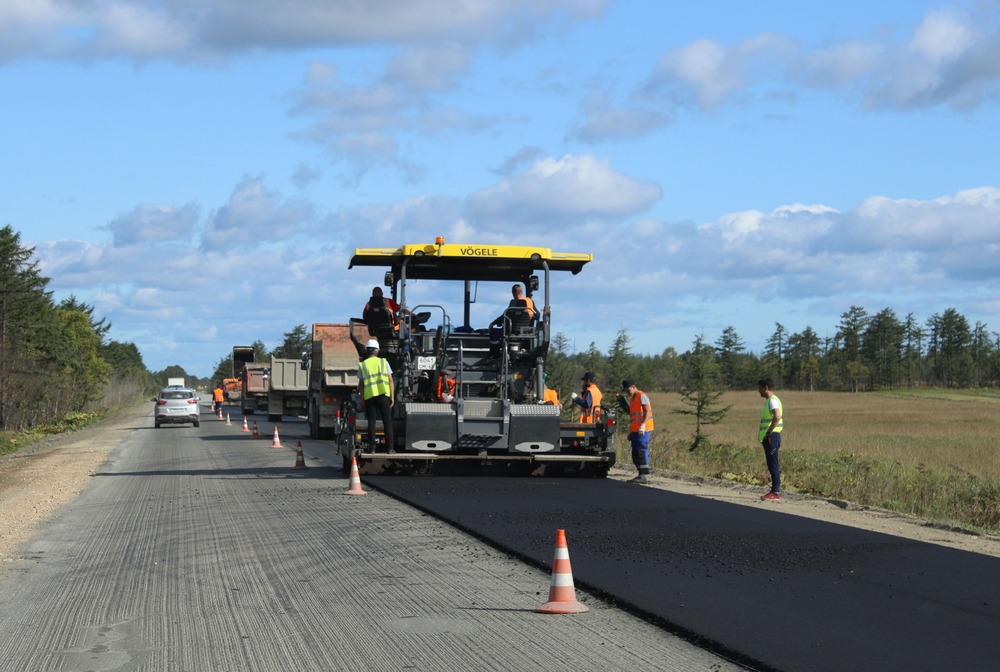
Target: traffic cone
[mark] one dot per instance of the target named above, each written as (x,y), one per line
(300,460)
(255,435)
(355,488)
(228,424)
(276,443)
(220,414)
(562,593)
(245,428)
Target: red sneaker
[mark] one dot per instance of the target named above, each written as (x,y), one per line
(771,496)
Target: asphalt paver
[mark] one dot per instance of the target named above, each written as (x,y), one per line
(202,549)
(776,591)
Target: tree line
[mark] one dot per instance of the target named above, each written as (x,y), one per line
(866,352)
(55,358)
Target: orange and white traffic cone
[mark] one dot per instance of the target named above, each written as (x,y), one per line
(276,443)
(255,435)
(220,413)
(245,428)
(300,460)
(228,424)
(355,487)
(562,593)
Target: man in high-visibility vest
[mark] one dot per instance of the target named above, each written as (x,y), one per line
(771,424)
(590,400)
(379,391)
(218,396)
(640,428)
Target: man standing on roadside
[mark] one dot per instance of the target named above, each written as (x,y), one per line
(379,392)
(769,436)
(641,415)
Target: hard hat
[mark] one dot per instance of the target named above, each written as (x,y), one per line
(372,344)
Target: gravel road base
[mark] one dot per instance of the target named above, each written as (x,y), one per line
(42,477)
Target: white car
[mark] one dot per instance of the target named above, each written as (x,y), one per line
(177,404)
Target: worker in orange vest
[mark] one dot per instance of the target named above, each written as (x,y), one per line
(640,428)
(218,396)
(590,400)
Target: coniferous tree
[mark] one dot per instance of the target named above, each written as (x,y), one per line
(295,342)
(702,389)
(730,349)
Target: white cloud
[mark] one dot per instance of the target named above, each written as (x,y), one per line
(950,59)
(254,215)
(151,223)
(172,293)
(185,30)
(572,190)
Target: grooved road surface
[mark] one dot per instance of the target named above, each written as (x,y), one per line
(201,549)
(789,592)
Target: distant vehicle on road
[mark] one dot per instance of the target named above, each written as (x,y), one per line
(177,405)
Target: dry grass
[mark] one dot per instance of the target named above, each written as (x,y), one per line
(934,453)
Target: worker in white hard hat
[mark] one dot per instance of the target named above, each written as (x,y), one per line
(379,391)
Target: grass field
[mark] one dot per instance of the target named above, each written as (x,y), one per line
(932,453)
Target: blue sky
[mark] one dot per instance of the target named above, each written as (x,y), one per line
(202,171)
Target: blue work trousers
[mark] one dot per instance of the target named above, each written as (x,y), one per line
(640,450)
(771,445)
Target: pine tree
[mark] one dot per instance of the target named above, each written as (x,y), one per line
(702,389)
(295,342)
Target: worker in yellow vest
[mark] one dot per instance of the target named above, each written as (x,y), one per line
(769,435)
(379,391)
(590,400)
(640,428)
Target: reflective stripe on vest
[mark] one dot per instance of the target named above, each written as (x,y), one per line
(637,413)
(591,414)
(765,418)
(376,378)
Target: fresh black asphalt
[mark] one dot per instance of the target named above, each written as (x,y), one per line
(773,590)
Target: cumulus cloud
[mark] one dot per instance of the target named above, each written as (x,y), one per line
(153,223)
(254,215)
(556,192)
(166,293)
(950,59)
(184,30)
(712,73)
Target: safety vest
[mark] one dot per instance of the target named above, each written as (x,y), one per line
(637,413)
(765,418)
(218,396)
(531,306)
(551,396)
(591,414)
(375,378)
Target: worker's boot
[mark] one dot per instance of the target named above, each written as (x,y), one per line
(641,478)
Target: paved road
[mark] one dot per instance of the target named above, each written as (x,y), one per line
(788,592)
(201,549)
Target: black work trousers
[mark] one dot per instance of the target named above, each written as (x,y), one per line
(382,404)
